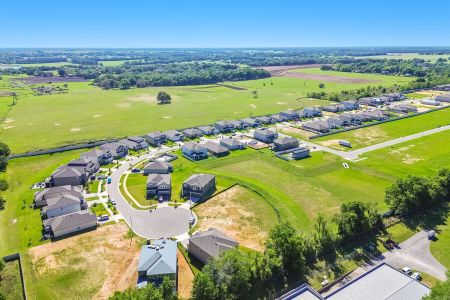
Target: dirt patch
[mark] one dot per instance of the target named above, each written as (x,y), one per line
(108,264)
(185,277)
(406,158)
(166,117)
(278,70)
(252,105)
(369,135)
(8,127)
(226,212)
(96,116)
(325,78)
(75,129)
(54,79)
(145,98)
(300,133)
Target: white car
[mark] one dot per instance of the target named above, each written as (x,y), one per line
(416,276)
(407,270)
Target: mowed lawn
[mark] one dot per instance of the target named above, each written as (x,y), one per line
(371,135)
(87,112)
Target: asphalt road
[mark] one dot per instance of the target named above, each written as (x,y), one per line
(161,222)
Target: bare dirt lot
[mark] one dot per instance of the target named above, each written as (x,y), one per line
(279,70)
(248,217)
(185,277)
(52,79)
(88,266)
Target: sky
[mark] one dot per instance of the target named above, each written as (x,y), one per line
(219,23)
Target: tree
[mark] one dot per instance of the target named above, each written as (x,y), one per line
(61,72)
(4,150)
(286,245)
(255,94)
(321,85)
(150,292)
(441,291)
(3,185)
(2,203)
(163,98)
(324,238)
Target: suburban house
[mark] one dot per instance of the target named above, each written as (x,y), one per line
(194,151)
(208,130)
(71,223)
(350,119)
(392,97)
(173,135)
(66,175)
(224,126)
(264,120)
(159,185)
(285,143)
(402,108)
(192,133)
(199,186)
(443,98)
(232,144)
(250,122)
(62,205)
(216,149)
(300,153)
(318,126)
(442,87)
(158,167)
(238,124)
(289,115)
(334,122)
(210,243)
(86,164)
(265,135)
(103,157)
(371,101)
(277,118)
(428,101)
(117,150)
(155,138)
(157,261)
(41,197)
(350,104)
(134,143)
(375,114)
(335,108)
(310,112)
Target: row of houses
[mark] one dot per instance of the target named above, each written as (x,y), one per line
(377,101)
(342,106)
(442,87)
(196,151)
(345,119)
(158,260)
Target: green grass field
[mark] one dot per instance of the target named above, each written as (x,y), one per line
(87,112)
(387,131)
(10,282)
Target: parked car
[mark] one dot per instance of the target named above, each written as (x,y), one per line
(416,276)
(113,202)
(101,177)
(103,218)
(135,170)
(192,221)
(431,235)
(407,270)
(109,180)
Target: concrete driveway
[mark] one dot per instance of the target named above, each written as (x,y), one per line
(163,222)
(415,253)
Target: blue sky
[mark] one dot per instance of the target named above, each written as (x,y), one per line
(218,23)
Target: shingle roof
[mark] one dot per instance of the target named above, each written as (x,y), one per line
(159,165)
(193,146)
(61,201)
(199,179)
(230,142)
(213,241)
(66,171)
(214,147)
(285,140)
(159,179)
(70,220)
(59,190)
(159,258)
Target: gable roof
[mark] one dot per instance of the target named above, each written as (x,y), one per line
(66,221)
(200,179)
(230,142)
(159,258)
(265,132)
(159,179)
(214,147)
(159,165)
(285,140)
(213,242)
(61,201)
(155,134)
(191,146)
(59,190)
(65,171)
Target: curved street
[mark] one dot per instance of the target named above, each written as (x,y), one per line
(161,222)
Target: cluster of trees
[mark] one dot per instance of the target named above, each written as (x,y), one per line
(441,291)
(415,193)
(4,153)
(165,291)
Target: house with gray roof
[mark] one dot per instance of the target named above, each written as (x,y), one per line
(88,165)
(334,122)
(117,150)
(102,157)
(250,122)
(350,104)
(173,135)
(310,112)
(264,120)
(216,149)
(224,126)
(159,185)
(402,108)
(391,97)
(158,167)
(374,115)
(300,153)
(62,205)
(238,124)
(157,261)
(285,143)
(208,130)
(431,102)
(443,98)
(156,138)
(210,243)
(66,175)
(265,135)
(71,223)
(41,197)
(289,115)
(192,133)
(135,143)
(194,151)
(277,118)
(334,108)
(371,101)
(232,144)
(199,186)
(350,119)
(318,126)
(442,87)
